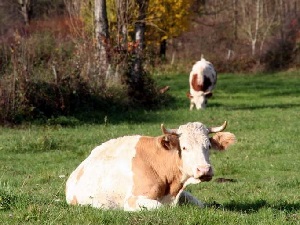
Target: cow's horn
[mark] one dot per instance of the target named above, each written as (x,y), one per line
(217,129)
(164,130)
(167,131)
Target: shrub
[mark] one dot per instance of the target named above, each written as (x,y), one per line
(279,56)
(45,78)
(142,90)
(284,48)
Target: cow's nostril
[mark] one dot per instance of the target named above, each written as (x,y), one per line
(205,170)
(204,173)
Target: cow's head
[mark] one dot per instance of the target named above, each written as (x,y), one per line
(195,143)
(199,99)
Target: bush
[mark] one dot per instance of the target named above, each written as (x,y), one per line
(63,121)
(283,51)
(47,80)
(235,65)
(142,90)
(44,78)
(279,56)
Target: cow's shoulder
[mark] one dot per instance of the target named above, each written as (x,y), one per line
(116,148)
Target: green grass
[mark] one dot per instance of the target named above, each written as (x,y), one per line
(262,110)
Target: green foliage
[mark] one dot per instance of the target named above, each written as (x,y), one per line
(63,121)
(261,110)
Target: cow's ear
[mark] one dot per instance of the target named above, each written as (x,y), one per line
(170,142)
(208,94)
(165,142)
(222,140)
(188,94)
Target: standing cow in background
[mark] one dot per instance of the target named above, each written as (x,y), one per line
(141,172)
(203,79)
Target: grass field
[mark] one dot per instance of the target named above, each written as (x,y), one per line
(262,111)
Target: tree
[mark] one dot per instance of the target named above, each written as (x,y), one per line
(139,34)
(102,34)
(257,19)
(122,23)
(25,10)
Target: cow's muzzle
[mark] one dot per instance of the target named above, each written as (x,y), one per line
(204,173)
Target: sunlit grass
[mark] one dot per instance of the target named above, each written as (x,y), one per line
(263,112)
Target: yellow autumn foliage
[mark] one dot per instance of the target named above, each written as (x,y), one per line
(168,18)
(165,18)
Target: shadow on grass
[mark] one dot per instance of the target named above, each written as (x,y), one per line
(116,114)
(265,106)
(252,207)
(119,114)
(105,112)
(255,107)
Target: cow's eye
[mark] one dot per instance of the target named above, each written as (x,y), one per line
(183,148)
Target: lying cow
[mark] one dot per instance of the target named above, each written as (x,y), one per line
(203,79)
(141,172)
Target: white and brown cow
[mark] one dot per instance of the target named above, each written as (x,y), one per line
(141,172)
(202,80)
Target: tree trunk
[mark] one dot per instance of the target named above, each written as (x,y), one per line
(257,21)
(122,23)
(163,49)
(102,34)
(139,31)
(25,10)
(235,20)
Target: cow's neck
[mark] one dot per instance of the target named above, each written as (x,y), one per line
(156,170)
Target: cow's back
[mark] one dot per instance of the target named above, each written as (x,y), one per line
(104,178)
(205,76)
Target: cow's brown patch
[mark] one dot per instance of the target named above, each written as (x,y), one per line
(79,174)
(156,167)
(200,86)
(74,201)
(194,83)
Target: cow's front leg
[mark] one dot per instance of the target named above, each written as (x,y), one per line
(187,198)
(192,106)
(136,203)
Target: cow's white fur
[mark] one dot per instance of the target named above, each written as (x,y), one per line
(201,68)
(109,176)
(143,203)
(105,178)
(194,143)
